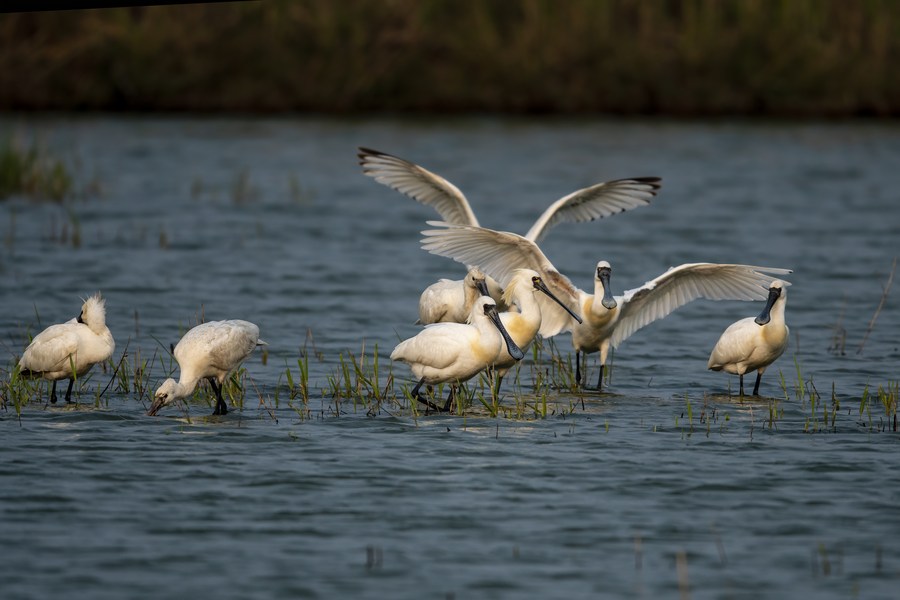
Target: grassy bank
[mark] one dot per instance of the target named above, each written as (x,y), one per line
(688,57)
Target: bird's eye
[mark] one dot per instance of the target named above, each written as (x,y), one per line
(535,280)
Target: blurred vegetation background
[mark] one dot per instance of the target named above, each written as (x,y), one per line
(678,57)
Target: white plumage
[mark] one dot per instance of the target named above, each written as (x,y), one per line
(81,342)
(208,351)
(523,320)
(588,204)
(607,321)
(752,344)
(456,352)
(450,301)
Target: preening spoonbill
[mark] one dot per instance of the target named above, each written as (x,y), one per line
(210,350)
(449,302)
(594,202)
(523,320)
(456,352)
(69,350)
(754,343)
(607,320)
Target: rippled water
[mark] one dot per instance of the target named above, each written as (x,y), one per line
(662,486)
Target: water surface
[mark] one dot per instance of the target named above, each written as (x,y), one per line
(663,485)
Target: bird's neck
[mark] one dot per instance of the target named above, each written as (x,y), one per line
(186,384)
(776,315)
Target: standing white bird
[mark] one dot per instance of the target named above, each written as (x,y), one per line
(588,204)
(456,352)
(210,350)
(523,323)
(754,343)
(607,321)
(69,350)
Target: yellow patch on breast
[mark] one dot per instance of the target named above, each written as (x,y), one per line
(520,330)
(600,319)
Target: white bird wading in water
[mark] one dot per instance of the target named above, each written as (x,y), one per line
(523,320)
(595,202)
(456,352)
(607,320)
(210,350)
(754,343)
(80,343)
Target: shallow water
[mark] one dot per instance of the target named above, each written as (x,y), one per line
(663,485)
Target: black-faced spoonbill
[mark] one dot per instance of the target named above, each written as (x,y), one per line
(607,320)
(524,321)
(69,350)
(456,352)
(448,302)
(754,343)
(588,204)
(210,350)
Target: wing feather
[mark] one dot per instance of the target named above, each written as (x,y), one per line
(500,254)
(680,285)
(595,202)
(50,350)
(418,183)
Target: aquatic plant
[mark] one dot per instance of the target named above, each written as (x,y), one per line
(30,172)
(884,295)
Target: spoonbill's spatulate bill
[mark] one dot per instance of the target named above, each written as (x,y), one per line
(524,319)
(456,352)
(69,350)
(754,343)
(210,350)
(607,320)
(588,204)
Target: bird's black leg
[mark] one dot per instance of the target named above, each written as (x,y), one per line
(578,367)
(742,384)
(756,387)
(221,407)
(600,379)
(69,391)
(450,399)
(53,393)
(415,393)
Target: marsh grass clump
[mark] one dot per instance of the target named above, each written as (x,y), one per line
(30,172)
(242,189)
(886,396)
(358,381)
(299,193)
(17,390)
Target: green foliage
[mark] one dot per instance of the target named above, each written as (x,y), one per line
(701,57)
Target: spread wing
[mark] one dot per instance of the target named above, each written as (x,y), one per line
(680,285)
(499,254)
(418,183)
(596,202)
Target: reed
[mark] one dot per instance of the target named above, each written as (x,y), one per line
(30,172)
